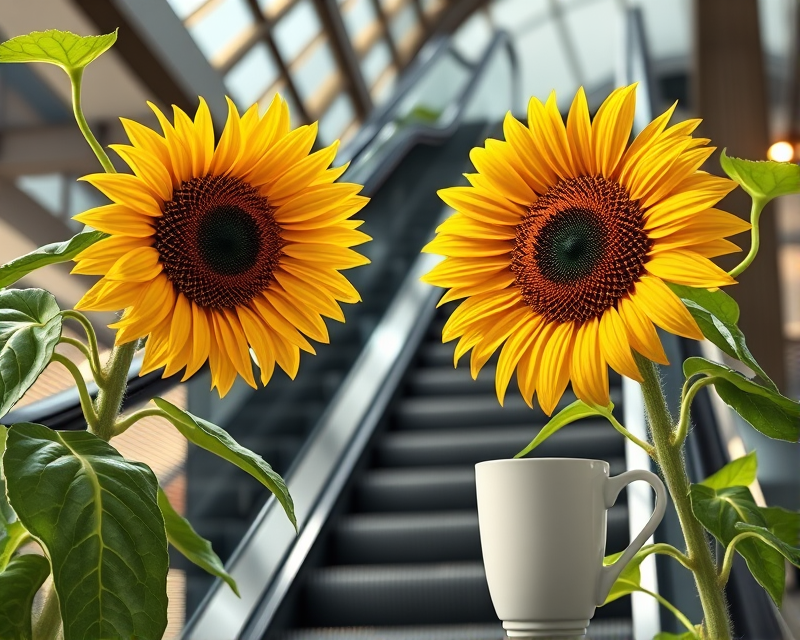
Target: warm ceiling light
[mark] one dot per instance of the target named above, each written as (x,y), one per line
(781,152)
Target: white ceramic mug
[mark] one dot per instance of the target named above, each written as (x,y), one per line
(543,534)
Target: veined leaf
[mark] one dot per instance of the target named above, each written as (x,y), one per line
(97,515)
(769,412)
(716,314)
(762,179)
(48,254)
(19,583)
(30,327)
(6,514)
(737,473)
(11,536)
(67,50)
(783,523)
(719,511)
(219,442)
(575,411)
(195,548)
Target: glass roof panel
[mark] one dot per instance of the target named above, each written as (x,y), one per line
(296,29)
(473,36)
(183,8)
(668,26)
(518,16)
(251,76)
(373,64)
(543,64)
(221,25)
(314,70)
(339,115)
(593,30)
(359,16)
(403,22)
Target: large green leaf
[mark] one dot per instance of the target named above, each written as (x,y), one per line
(97,515)
(48,254)
(62,48)
(771,413)
(19,583)
(216,440)
(185,539)
(783,523)
(719,511)
(30,327)
(737,473)
(762,179)
(11,537)
(716,314)
(575,411)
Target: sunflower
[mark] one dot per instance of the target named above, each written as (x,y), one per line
(565,241)
(218,252)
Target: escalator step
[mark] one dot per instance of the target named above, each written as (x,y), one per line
(391,595)
(425,489)
(447,536)
(447,380)
(445,412)
(589,439)
(598,630)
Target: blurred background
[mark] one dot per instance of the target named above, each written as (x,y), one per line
(369,70)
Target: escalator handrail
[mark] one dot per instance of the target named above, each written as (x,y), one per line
(63,411)
(353,413)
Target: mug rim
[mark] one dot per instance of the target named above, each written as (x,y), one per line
(543,460)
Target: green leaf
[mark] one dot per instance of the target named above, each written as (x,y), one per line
(19,583)
(716,314)
(769,412)
(30,327)
(48,254)
(98,518)
(575,411)
(6,513)
(737,473)
(11,536)
(628,581)
(792,554)
(216,440)
(195,548)
(783,523)
(764,179)
(62,48)
(719,511)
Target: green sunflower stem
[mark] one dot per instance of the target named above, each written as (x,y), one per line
(76,78)
(755,238)
(670,459)
(109,399)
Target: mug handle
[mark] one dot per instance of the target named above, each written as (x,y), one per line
(610,573)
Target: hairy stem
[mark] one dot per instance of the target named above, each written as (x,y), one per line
(670,459)
(109,399)
(91,336)
(86,400)
(76,77)
(686,408)
(666,550)
(128,421)
(755,238)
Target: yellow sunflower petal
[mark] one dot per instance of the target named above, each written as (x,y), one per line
(643,142)
(715,248)
(458,247)
(118,219)
(615,347)
(126,189)
(339,236)
(306,321)
(477,309)
(156,348)
(501,328)
(111,296)
(550,136)
(640,331)
(257,335)
(481,207)
(147,140)
(285,153)
(612,128)
(579,135)
(287,355)
(330,279)
(307,293)
(491,163)
(302,174)
(201,340)
(179,154)
(234,344)
(155,304)
(553,374)
(688,268)
(531,361)
(703,226)
(493,283)
(179,335)
(589,372)
(337,214)
(101,256)
(664,308)
(230,143)
(315,201)
(204,132)
(531,167)
(140,265)
(147,167)
(511,353)
(459,272)
(284,329)
(460,225)
(337,257)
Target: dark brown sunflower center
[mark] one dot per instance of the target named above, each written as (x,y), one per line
(219,242)
(579,249)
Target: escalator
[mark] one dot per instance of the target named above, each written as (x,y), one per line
(401,555)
